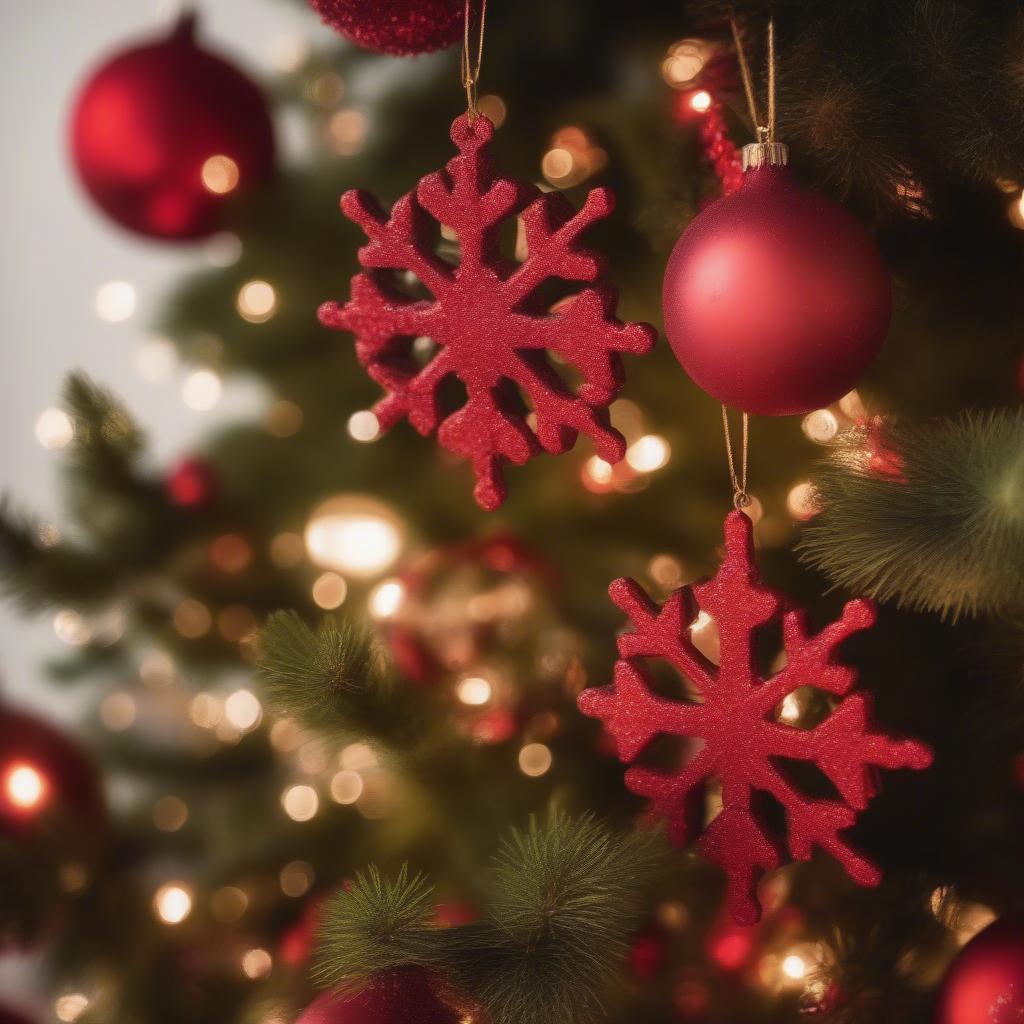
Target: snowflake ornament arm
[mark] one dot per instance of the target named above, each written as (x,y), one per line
(736,737)
(484,316)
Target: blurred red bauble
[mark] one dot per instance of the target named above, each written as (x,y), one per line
(401,996)
(164,132)
(192,482)
(648,952)
(985,984)
(400,27)
(775,299)
(40,769)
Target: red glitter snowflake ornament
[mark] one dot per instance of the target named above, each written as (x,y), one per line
(736,737)
(488,324)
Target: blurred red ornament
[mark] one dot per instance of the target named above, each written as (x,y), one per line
(164,131)
(297,941)
(985,984)
(41,768)
(730,946)
(192,482)
(403,996)
(399,27)
(775,299)
(453,912)
(648,952)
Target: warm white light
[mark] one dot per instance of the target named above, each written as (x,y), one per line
(243,710)
(224,249)
(68,1008)
(220,174)
(359,757)
(329,591)
(534,759)
(24,787)
(289,52)
(54,429)
(296,878)
(201,390)
(386,598)
(649,453)
(256,963)
(256,301)
(346,787)
(364,426)
(205,710)
(172,903)
(802,501)
(557,164)
(300,803)
(820,426)
(347,131)
(118,710)
(598,470)
(170,813)
(473,690)
(790,710)
(354,535)
(793,966)
(701,101)
(71,628)
(115,301)
(156,360)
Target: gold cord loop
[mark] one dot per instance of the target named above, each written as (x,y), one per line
(740,498)
(471,67)
(764,133)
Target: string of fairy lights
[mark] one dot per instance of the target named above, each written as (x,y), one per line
(349,549)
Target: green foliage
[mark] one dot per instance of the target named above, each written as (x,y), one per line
(945,533)
(566,894)
(329,679)
(377,925)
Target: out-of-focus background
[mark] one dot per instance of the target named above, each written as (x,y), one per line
(62,252)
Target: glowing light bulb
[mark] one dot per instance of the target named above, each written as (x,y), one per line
(256,302)
(173,903)
(71,628)
(118,711)
(346,786)
(300,803)
(68,1008)
(25,787)
(820,426)
(201,390)
(701,101)
(346,131)
(256,963)
(364,426)
(802,501)
(54,429)
(473,690)
(220,174)
(243,710)
(115,301)
(354,535)
(597,472)
(790,710)
(557,164)
(649,453)
(794,966)
(386,599)
(329,591)
(493,108)
(534,759)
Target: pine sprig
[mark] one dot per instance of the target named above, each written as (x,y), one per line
(329,679)
(377,925)
(943,531)
(568,894)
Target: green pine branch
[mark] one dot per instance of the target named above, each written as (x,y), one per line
(567,894)
(940,529)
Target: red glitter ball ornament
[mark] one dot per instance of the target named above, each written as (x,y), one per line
(405,995)
(737,736)
(985,984)
(487,324)
(164,132)
(775,299)
(191,483)
(400,27)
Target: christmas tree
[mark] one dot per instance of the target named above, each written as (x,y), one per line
(349,711)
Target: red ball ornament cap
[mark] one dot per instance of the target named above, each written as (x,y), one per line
(733,731)
(775,299)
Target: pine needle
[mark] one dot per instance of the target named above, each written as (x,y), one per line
(944,532)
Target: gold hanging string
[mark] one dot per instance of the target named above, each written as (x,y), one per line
(740,497)
(471,66)
(763,133)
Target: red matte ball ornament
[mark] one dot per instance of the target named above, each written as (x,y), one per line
(775,299)
(165,132)
(985,984)
(398,27)
(402,996)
